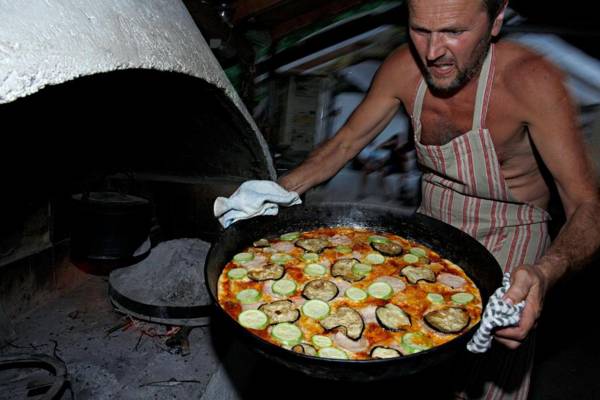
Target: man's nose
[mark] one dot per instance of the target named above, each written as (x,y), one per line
(435,46)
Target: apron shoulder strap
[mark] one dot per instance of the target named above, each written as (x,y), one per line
(418,105)
(484,88)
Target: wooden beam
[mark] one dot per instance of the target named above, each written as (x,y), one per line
(244,9)
(327,10)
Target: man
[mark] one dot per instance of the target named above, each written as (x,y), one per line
(482,113)
(488,119)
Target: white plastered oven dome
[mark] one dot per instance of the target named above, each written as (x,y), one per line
(49,43)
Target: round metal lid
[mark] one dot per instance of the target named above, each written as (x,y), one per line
(110,198)
(167,286)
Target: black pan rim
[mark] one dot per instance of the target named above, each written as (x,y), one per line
(280,351)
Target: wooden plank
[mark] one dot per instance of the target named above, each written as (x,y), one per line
(244,9)
(327,10)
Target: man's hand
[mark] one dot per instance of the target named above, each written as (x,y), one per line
(530,284)
(251,199)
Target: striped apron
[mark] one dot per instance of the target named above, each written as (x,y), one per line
(463,186)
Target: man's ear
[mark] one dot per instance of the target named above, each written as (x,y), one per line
(497,24)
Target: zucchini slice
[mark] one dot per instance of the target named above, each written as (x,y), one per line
(384,352)
(243,257)
(355,294)
(361,269)
(237,273)
(378,239)
(343,249)
(410,258)
(313,245)
(248,296)
(321,341)
(392,317)
(284,287)
(435,298)
(315,270)
(290,236)
(253,319)
(414,342)
(280,258)
(316,309)
(288,334)
(280,311)
(320,289)
(415,274)
(343,269)
(304,348)
(347,320)
(310,257)
(374,258)
(388,248)
(380,290)
(266,272)
(417,251)
(462,298)
(448,320)
(332,352)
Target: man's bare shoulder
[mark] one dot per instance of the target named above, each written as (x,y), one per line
(527,77)
(401,59)
(400,73)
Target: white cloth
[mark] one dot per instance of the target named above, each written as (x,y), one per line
(251,199)
(498,314)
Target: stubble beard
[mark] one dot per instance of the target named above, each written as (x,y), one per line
(464,75)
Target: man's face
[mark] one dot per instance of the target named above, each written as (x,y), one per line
(451,38)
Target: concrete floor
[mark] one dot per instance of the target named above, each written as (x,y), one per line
(123,364)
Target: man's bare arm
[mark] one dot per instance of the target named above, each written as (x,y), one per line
(366,122)
(554,131)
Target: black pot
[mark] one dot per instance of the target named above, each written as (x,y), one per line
(448,241)
(108,225)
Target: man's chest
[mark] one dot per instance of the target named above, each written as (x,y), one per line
(441,124)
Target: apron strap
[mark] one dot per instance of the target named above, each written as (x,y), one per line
(418,105)
(484,88)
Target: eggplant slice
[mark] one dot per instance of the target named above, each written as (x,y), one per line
(392,317)
(348,320)
(320,289)
(415,274)
(384,352)
(388,248)
(343,269)
(280,311)
(314,245)
(304,348)
(448,320)
(266,272)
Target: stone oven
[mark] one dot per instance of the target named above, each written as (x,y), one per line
(121,95)
(112,96)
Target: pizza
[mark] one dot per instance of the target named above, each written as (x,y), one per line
(348,293)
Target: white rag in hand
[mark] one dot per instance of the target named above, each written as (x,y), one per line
(498,314)
(251,199)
